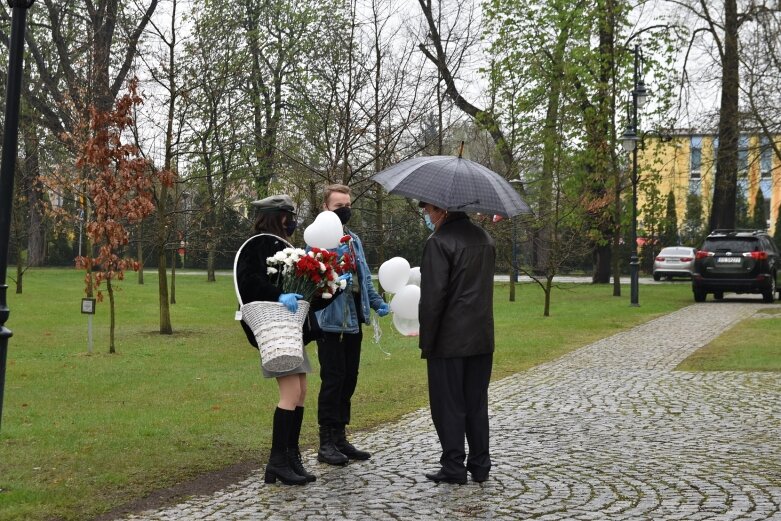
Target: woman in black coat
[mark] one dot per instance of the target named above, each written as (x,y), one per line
(275,223)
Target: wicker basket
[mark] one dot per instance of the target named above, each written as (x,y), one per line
(279,332)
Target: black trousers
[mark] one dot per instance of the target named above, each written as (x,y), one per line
(340,356)
(458,392)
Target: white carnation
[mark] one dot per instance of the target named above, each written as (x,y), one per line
(326,296)
(271,271)
(280,255)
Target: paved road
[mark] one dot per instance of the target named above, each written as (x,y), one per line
(608,432)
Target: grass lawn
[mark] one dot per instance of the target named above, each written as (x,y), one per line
(752,345)
(84,433)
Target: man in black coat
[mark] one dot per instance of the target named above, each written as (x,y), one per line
(457,339)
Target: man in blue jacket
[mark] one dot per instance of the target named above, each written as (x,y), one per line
(339,348)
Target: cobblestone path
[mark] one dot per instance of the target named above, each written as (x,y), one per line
(608,432)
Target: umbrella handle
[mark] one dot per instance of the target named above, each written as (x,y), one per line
(461,150)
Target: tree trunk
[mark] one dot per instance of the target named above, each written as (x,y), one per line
(550,151)
(110,289)
(725,186)
(604,168)
(173,276)
(210,262)
(36,240)
(601,264)
(19,277)
(162,291)
(617,244)
(548,288)
(140,252)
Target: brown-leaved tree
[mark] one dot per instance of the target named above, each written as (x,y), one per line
(119,193)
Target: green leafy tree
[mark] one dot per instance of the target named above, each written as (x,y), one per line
(759,219)
(669,232)
(652,215)
(693,230)
(777,231)
(742,217)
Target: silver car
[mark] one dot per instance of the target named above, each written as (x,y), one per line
(674,261)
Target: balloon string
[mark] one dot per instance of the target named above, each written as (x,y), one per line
(377,333)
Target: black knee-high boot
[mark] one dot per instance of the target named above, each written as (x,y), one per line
(293,450)
(278,466)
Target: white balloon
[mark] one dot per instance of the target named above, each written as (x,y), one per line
(406,326)
(405,302)
(393,274)
(414,276)
(325,231)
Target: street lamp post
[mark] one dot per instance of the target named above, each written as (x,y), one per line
(8,165)
(629,142)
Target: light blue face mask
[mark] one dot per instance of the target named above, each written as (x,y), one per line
(430,225)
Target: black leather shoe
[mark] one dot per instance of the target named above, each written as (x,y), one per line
(294,460)
(328,452)
(284,473)
(440,477)
(478,478)
(347,448)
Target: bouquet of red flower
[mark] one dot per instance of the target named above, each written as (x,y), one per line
(346,255)
(311,274)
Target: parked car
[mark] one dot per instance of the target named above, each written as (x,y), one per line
(741,261)
(674,261)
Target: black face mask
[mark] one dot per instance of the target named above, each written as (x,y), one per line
(343,214)
(290,226)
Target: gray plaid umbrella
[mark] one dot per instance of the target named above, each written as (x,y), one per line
(453,183)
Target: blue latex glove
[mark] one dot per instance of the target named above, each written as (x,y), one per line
(383,310)
(347,277)
(290,300)
(342,249)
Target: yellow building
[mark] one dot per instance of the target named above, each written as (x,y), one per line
(685,162)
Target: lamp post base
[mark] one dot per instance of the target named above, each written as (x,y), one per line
(634,281)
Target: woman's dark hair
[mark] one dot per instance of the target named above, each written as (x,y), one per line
(271,222)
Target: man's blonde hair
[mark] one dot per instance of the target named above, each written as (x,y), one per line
(342,189)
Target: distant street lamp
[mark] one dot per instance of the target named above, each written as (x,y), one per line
(8,165)
(629,142)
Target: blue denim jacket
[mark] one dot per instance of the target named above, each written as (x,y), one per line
(334,318)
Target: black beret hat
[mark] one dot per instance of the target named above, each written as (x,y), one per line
(274,203)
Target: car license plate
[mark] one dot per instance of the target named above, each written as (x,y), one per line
(729,260)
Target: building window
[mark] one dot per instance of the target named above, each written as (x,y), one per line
(695,168)
(765,158)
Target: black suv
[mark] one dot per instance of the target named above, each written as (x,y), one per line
(742,261)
